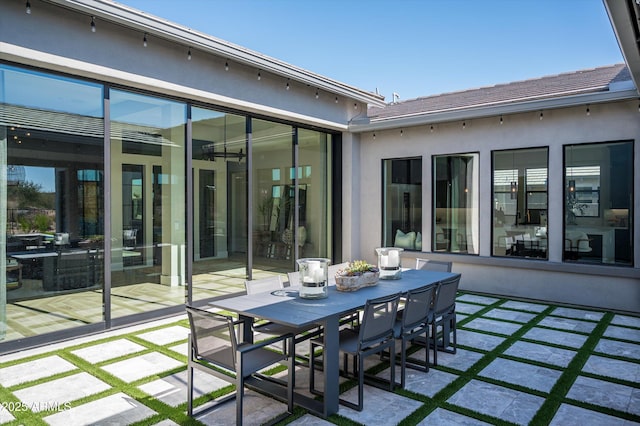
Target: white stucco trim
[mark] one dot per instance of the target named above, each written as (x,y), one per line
(36,58)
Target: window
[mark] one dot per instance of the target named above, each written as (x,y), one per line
(456,222)
(520,203)
(598,194)
(402,203)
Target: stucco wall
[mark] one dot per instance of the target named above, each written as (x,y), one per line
(59,39)
(609,287)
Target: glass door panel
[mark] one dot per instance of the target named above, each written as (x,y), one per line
(273,179)
(220,203)
(314,197)
(148,164)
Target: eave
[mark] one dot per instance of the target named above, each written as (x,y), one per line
(624,16)
(625,92)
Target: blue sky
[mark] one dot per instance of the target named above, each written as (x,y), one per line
(411,47)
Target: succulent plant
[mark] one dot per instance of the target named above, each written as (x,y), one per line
(357,267)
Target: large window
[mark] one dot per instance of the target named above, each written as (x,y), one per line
(402,203)
(51,203)
(520,203)
(598,194)
(455,195)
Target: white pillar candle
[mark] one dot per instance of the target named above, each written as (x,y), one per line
(384,261)
(394,258)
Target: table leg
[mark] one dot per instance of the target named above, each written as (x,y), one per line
(247,328)
(331,358)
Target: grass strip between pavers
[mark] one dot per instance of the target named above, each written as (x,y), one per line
(544,415)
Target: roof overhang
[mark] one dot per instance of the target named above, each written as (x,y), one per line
(616,92)
(157,27)
(624,15)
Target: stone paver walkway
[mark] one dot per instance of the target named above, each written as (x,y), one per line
(517,363)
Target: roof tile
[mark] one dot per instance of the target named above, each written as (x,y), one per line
(584,81)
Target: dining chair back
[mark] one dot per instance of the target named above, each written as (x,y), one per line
(444,315)
(414,322)
(264,284)
(213,346)
(375,335)
(294,278)
(378,319)
(433,265)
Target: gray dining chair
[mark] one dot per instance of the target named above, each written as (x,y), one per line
(374,336)
(413,323)
(294,278)
(433,265)
(213,347)
(444,316)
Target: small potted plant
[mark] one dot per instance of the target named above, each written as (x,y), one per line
(357,275)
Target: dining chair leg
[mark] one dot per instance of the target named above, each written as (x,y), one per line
(291,365)
(239,398)
(312,368)
(434,340)
(189,389)
(403,362)
(392,351)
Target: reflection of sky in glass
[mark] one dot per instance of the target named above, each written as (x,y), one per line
(148,111)
(43,176)
(49,92)
(199,114)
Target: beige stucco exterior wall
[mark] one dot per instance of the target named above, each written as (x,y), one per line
(608,287)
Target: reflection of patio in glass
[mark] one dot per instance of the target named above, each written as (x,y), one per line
(134,290)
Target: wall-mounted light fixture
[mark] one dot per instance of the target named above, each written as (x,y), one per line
(93,24)
(226,66)
(28,6)
(189,54)
(144,40)
(514,190)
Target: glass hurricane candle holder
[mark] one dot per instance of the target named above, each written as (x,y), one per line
(314,278)
(389,263)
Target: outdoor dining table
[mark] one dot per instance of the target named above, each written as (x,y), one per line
(287,308)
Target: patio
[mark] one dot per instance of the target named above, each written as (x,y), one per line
(518,362)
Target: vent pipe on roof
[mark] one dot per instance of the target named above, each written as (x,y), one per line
(396,97)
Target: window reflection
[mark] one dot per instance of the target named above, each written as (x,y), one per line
(402,203)
(455,227)
(52,144)
(598,206)
(520,203)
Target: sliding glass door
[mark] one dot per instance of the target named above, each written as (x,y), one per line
(148,249)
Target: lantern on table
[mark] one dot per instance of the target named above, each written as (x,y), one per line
(314,278)
(389,263)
